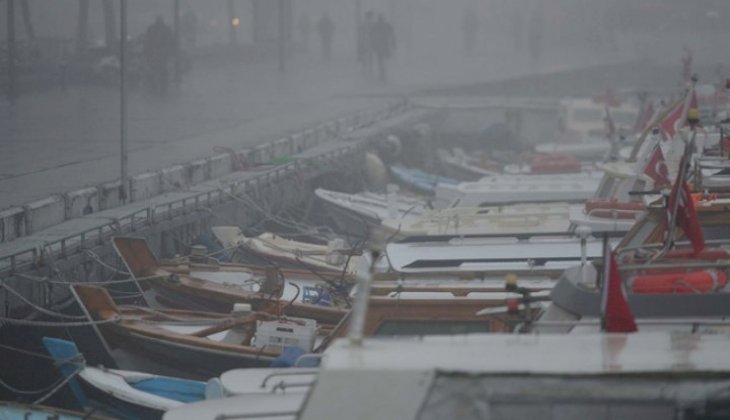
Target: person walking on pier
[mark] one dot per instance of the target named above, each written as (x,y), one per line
(159,44)
(383,43)
(326,29)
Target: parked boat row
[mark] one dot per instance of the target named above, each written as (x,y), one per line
(518,291)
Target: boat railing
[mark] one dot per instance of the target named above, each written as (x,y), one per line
(519,236)
(614,213)
(258,415)
(659,245)
(282,385)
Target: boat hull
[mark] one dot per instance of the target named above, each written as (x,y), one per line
(193,361)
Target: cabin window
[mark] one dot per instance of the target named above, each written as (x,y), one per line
(407,327)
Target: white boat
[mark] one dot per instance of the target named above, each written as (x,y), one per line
(535,218)
(612,208)
(358,213)
(483,254)
(503,376)
(584,132)
(512,189)
(333,257)
(130,394)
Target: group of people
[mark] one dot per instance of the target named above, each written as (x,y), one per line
(375,44)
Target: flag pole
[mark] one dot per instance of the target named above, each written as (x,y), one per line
(649,127)
(678,183)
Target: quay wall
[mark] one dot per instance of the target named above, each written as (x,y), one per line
(66,238)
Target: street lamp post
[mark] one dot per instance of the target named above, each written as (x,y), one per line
(123,190)
(11,92)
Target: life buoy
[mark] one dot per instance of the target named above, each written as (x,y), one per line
(703,281)
(554,163)
(613,209)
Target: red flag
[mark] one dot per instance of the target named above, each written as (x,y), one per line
(656,168)
(678,117)
(686,215)
(617,315)
(668,124)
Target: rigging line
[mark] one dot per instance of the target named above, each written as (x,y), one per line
(34,306)
(59,386)
(27,391)
(26,352)
(105,265)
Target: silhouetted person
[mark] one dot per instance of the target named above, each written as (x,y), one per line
(159,45)
(535,35)
(517,29)
(189,29)
(470,26)
(383,42)
(326,29)
(305,28)
(365,53)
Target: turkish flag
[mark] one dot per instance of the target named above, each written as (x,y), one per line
(686,216)
(656,168)
(617,315)
(678,117)
(668,124)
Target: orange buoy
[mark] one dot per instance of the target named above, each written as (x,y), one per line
(686,282)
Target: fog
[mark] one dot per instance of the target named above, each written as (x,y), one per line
(239,85)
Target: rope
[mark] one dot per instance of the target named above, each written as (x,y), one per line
(99,261)
(59,386)
(26,323)
(50,389)
(82,283)
(36,307)
(26,352)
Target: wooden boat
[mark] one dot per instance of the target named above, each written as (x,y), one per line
(122,393)
(138,395)
(269,247)
(219,287)
(201,343)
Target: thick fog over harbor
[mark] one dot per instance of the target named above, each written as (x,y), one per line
(233,69)
(250,208)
